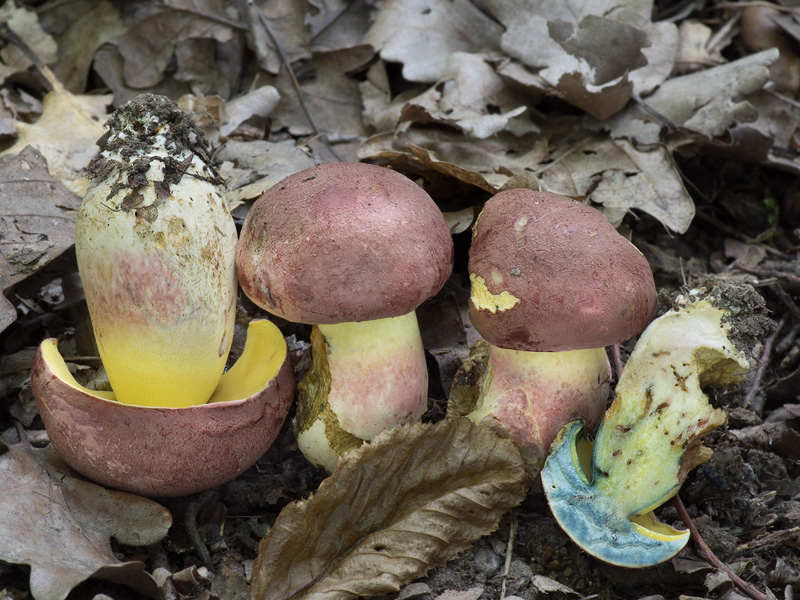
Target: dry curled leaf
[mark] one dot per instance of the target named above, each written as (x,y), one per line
(569,42)
(408,501)
(422,34)
(97,23)
(471,96)
(65,133)
(621,176)
(37,221)
(23,22)
(331,97)
(61,525)
(148,46)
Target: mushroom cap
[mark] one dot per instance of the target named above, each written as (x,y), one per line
(550,274)
(343,242)
(166,451)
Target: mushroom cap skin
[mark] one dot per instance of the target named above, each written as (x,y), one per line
(551,274)
(163,451)
(343,242)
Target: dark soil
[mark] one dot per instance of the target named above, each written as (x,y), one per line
(745,501)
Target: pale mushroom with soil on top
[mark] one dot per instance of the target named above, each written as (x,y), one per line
(156,247)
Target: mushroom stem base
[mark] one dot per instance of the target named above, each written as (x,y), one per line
(365,377)
(531,395)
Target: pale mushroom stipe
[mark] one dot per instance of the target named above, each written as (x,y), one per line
(352,249)
(553,283)
(156,245)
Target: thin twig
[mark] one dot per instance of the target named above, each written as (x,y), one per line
(617,356)
(295,83)
(776,7)
(786,299)
(11,36)
(158,559)
(721,37)
(784,537)
(203,15)
(749,399)
(569,151)
(190,521)
(708,555)
(23,435)
(332,19)
(787,341)
(769,273)
(512,533)
(664,120)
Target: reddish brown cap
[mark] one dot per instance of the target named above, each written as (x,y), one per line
(343,242)
(551,274)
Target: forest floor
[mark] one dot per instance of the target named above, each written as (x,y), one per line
(708,203)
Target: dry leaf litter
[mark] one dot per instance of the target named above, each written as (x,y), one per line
(678,119)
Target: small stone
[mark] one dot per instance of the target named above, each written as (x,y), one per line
(487,561)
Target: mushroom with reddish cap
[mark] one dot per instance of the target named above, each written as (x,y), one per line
(553,283)
(352,249)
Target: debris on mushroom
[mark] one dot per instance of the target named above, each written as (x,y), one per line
(553,283)
(651,436)
(156,246)
(156,249)
(351,249)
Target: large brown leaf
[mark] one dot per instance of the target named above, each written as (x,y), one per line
(37,221)
(408,501)
(61,525)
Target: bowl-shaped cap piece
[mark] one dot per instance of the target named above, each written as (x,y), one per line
(550,274)
(343,242)
(169,451)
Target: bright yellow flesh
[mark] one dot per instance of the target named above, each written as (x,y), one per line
(647,525)
(264,354)
(162,367)
(483,299)
(660,411)
(54,360)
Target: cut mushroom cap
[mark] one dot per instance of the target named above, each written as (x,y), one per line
(343,242)
(551,274)
(169,451)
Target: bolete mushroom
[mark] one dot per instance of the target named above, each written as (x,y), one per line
(553,283)
(604,495)
(156,246)
(351,249)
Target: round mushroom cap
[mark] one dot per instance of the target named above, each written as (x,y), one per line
(550,274)
(343,242)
